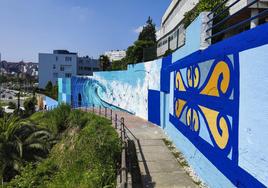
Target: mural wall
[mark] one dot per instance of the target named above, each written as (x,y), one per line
(212,104)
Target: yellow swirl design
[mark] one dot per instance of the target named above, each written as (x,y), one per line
(179,106)
(192,119)
(179,82)
(211,88)
(193,78)
(211,117)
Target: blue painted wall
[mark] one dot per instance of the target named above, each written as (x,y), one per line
(212,103)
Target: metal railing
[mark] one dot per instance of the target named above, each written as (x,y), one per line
(216,13)
(119,125)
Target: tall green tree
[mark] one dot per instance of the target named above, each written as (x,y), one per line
(148,31)
(104,62)
(144,49)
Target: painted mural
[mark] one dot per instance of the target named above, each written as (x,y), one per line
(212,104)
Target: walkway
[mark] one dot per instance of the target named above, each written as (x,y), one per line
(158,167)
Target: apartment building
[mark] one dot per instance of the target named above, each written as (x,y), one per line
(59,64)
(115,55)
(171,34)
(87,65)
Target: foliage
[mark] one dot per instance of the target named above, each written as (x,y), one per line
(118,65)
(29,106)
(21,142)
(50,90)
(104,62)
(49,86)
(83,158)
(12,105)
(148,31)
(144,48)
(2,112)
(205,5)
(168,52)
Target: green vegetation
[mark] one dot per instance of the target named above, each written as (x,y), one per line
(29,106)
(60,148)
(146,43)
(143,49)
(12,105)
(206,5)
(51,90)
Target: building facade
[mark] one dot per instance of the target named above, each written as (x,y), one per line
(59,64)
(87,65)
(171,34)
(115,55)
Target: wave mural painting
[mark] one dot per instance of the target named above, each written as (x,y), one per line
(122,90)
(212,104)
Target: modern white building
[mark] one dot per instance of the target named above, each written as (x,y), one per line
(87,65)
(115,55)
(171,34)
(59,64)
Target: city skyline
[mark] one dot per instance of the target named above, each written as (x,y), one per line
(87,27)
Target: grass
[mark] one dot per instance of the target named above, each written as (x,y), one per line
(86,154)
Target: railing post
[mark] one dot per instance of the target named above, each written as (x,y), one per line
(123,127)
(105,111)
(111,114)
(115,121)
(99,110)
(93,108)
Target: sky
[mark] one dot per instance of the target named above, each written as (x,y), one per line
(89,27)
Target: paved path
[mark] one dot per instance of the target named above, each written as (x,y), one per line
(158,167)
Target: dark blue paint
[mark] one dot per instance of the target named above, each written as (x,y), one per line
(154,106)
(223,104)
(165,76)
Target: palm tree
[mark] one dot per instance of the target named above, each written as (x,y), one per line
(21,142)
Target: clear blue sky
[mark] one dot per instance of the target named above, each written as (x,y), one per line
(88,27)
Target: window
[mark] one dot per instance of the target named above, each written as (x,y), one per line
(61,68)
(54,66)
(68,75)
(68,58)
(55,75)
(57,58)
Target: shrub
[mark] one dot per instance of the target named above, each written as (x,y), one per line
(83,158)
(12,105)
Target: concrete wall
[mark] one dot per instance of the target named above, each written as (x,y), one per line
(211,103)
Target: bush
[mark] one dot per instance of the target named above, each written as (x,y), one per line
(29,106)
(12,105)
(83,158)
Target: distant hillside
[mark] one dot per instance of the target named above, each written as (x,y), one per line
(28,68)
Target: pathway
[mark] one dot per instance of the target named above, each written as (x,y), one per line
(158,167)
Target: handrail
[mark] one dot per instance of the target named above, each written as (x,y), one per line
(224,10)
(119,124)
(240,23)
(229,17)
(217,7)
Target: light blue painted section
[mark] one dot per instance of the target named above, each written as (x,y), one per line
(192,42)
(50,103)
(198,162)
(253,127)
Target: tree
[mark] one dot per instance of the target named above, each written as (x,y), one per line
(104,62)
(144,48)
(148,31)
(20,142)
(49,86)
(29,106)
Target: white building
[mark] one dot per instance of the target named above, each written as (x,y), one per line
(60,64)
(171,35)
(115,55)
(87,65)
